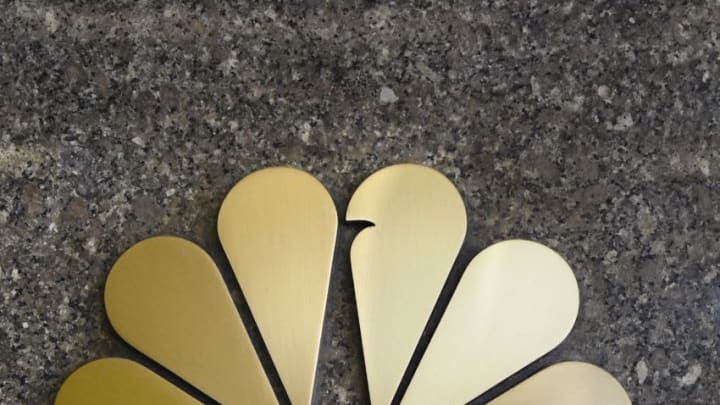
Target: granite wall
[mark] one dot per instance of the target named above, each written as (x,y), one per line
(590,126)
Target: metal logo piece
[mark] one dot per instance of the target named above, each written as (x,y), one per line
(400,264)
(569,383)
(278,227)
(516,301)
(167,299)
(114,381)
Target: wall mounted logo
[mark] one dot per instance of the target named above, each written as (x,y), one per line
(516,301)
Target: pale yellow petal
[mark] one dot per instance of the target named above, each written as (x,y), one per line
(400,263)
(570,383)
(516,301)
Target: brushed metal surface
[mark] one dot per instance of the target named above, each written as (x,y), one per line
(400,264)
(516,301)
(569,383)
(165,297)
(278,228)
(115,381)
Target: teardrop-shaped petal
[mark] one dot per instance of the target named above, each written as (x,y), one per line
(166,298)
(278,229)
(116,381)
(400,264)
(569,383)
(516,301)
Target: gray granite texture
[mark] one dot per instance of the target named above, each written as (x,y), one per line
(590,126)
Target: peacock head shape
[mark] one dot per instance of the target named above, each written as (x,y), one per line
(515,301)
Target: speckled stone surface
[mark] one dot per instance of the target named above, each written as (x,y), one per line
(590,126)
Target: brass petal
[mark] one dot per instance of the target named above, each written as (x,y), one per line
(116,381)
(165,297)
(278,229)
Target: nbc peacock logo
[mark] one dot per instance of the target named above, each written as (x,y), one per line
(515,302)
